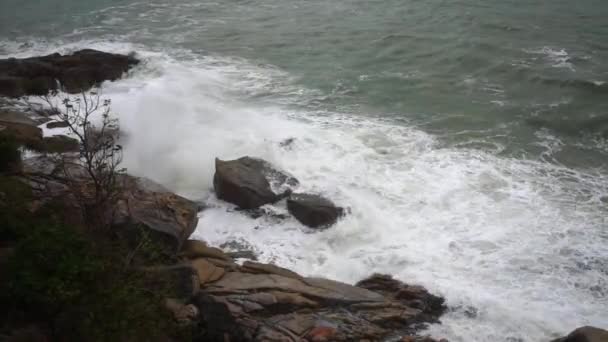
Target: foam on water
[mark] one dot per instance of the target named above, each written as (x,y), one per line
(517,247)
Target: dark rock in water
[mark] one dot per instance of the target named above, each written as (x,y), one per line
(73,73)
(249,182)
(585,334)
(313,210)
(414,296)
(57,124)
(287,143)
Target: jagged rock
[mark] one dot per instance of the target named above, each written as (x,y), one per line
(267,306)
(313,210)
(413,296)
(585,334)
(170,219)
(75,73)
(57,124)
(256,267)
(250,183)
(142,208)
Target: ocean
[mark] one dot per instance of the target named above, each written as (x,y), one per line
(468,138)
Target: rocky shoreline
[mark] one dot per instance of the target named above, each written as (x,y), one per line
(214,294)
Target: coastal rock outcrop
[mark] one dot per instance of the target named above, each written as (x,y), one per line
(171,218)
(143,205)
(73,73)
(313,210)
(585,334)
(265,302)
(250,182)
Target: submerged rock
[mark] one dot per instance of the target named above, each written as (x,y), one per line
(313,210)
(73,73)
(57,124)
(585,334)
(250,183)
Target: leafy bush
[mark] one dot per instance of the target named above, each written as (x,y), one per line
(72,285)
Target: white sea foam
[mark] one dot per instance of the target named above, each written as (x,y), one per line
(558,57)
(517,247)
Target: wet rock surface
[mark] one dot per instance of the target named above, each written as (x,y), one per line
(250,183)
(265,302)
(314,211)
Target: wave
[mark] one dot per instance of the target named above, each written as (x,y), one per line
(512,240)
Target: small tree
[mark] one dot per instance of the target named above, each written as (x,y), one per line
(99,156)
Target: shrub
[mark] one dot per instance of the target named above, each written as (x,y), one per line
(10,155)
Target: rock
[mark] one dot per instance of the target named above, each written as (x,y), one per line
(411,295)
(321,334)
(178,281)
(74,73)
(168,218)
(268,305)
(59,144)
(256,267)
(20,126)
(143,208)
(585,334)
(207,272)
(313,210)
(250,183)
(198,249)
(183,314)
(57,124)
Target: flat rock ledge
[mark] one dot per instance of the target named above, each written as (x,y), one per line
(264,302)
(73,73)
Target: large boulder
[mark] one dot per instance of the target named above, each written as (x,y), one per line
(313,210)
(168,218)
(250,183)
(585,334)
(73,73)
(143,207)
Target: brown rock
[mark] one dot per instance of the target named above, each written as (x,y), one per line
(256,267)
(169,218)
(585,334)
(199,249)
(207,272)
(321,334)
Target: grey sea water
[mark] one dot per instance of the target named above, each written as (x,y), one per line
(469,137)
